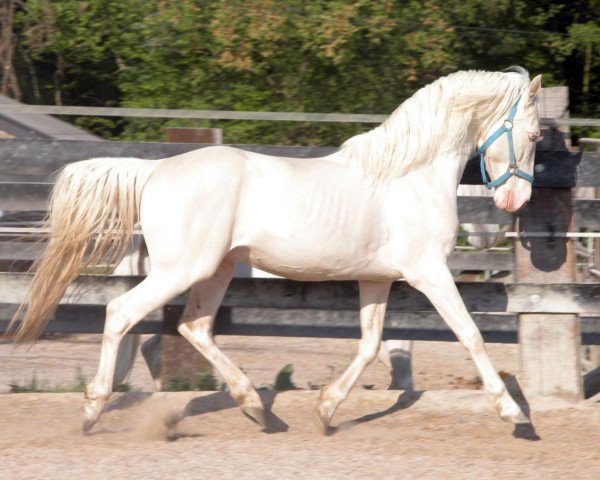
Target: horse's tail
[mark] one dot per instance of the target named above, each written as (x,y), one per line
(93,209)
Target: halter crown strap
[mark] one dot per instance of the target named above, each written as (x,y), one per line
(513,169)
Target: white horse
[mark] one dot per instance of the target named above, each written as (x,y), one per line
(381,208)
(396,355)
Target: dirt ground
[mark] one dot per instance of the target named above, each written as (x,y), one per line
(445,429)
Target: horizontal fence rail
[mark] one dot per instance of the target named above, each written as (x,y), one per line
(41,231)
(580,298)
(240,115)
(196,114)
(258,306)
(39,158)
(275,322)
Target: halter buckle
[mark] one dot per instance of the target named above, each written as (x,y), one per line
(513,168)
(508,124)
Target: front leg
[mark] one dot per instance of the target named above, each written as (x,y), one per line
(437,284)
(373,302)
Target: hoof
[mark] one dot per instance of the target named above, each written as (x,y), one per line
(322,422)
(92,409)
(518,419)
(324,411)
(511,412)
(323,416)
(256,414)
(90,416)
(87,426)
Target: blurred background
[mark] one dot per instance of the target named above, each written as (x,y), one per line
(288,56)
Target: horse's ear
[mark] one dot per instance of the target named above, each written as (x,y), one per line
(534,87)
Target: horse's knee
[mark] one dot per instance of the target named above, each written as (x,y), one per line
(197,333)
(369,348)
(471,340)
(116,321)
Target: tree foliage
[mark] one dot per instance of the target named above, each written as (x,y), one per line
(353,56)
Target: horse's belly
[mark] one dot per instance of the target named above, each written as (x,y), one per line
(304,260)
(294,270)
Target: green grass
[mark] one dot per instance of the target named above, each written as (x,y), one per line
(283,381)
(78,385)
(204,381)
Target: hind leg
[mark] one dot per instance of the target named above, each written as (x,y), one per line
(373,303)
(186,245)
(196,326)
(135,262)
(121,315)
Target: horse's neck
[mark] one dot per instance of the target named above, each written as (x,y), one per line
(444,173)
(409,141)
(451,152)
(441,175)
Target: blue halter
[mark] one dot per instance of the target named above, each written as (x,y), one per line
(513,169)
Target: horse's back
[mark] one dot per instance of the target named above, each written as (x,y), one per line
(311,215)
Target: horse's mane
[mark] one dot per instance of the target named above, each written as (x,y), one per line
(413,134)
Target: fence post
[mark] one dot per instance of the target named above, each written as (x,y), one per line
(181,364)
(549,343)
(594,350)
(182,367)
(194,135)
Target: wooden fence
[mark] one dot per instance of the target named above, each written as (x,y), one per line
(241,115)
(546,296)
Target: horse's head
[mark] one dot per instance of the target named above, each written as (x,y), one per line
(507,151)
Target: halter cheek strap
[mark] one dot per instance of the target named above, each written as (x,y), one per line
(513,169)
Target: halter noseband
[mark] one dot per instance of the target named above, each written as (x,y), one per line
(513,169)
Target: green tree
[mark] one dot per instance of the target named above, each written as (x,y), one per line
(354,56)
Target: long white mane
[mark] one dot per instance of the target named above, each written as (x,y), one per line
(422,125)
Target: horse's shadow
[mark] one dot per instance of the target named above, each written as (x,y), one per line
(405,400)
(217,401)
(410,397)
(525,431)
(128,400)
